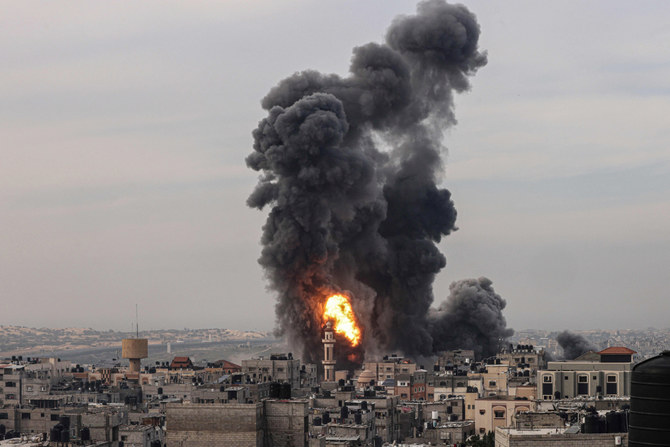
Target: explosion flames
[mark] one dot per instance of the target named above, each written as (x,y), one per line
(351,168)
(338,309)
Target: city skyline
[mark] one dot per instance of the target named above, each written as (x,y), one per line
(127,127)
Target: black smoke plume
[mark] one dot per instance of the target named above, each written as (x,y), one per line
(350,168)
(471,317)
(573,345)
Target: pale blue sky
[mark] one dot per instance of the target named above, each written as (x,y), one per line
(124,128)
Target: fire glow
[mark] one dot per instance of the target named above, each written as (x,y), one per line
(338,309)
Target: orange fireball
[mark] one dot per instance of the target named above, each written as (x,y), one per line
(338,309)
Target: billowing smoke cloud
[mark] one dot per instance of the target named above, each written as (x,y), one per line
(471,316)
(573,345)
(350,168)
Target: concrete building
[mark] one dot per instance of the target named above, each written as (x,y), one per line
(444,434)
(499,411)
(141,436)
(459,359)
(556,437)
(102,422)
(279,368)
(608,377)
(523,358)
(286,422)
(21,381)
(444,384)
(191,425)
(271,423)
(390,368)
(494,379)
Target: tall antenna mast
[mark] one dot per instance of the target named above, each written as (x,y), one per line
(137,322)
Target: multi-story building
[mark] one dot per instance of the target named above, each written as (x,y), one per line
(271,423)
(20,381)
(101,423)
(455,360)
(494,379)
(390,368)
(525,359)
(608,377)
(278,368)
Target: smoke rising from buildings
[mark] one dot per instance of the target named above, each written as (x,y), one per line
(350,168)
(471,316)
(573,345)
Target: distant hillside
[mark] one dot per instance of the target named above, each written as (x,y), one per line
(19,340)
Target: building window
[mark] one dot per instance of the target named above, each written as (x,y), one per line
(583,385)
(499,414)
(611,385)
(482,411)
(547,379)
(10,384)
(4,416)
(25,415)
(29,387)
(492,383)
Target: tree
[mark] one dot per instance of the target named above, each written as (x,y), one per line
(488,440)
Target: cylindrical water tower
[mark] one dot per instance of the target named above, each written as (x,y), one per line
(649,422)
(134,349)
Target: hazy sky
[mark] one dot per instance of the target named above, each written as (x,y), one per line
(124,127)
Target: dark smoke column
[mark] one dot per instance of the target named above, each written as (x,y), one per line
(350,169)
(573,345)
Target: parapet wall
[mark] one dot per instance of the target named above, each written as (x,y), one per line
(213,425)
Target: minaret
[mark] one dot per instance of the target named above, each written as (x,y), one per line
(328,353)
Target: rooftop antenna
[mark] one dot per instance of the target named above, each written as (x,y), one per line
(137,323)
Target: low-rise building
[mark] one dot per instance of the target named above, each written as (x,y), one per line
(556,437)
(499,411)
(141,436)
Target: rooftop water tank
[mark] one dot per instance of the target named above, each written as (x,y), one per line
(650,402)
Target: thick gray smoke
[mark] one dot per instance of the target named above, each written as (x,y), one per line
(573,345)
(350,168)
(471,317)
